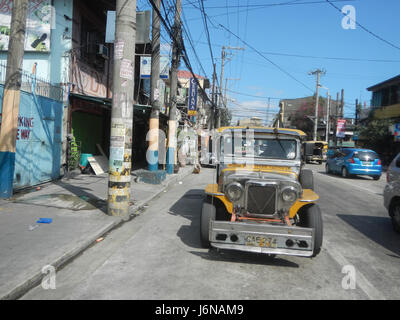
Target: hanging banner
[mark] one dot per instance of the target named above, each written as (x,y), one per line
(341,128)
(192,101)
(38,25)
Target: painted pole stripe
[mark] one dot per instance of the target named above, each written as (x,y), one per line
(118,185)
(119,198)
(7,168)
(123,179)
(9,121)
(118,212)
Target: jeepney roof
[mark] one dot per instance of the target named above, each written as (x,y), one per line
(269,130)
(323,142)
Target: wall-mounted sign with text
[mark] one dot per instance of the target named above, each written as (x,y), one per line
(145,67)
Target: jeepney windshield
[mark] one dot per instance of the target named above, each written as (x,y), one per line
(261,148)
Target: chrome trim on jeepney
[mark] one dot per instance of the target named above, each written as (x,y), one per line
(287,252)
(261,183)
(236,235)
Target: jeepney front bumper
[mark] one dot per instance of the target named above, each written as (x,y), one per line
(262,238)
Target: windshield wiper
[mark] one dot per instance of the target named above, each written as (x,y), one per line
(279,141)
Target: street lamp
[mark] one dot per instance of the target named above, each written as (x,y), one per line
(328,110)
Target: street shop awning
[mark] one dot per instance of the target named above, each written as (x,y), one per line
(106,103)
(141,109)
(102,102)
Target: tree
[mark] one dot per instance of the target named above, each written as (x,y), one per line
(226,117)
(303,119)
(376,136)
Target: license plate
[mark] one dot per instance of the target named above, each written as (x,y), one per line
(259,241)
(365,163)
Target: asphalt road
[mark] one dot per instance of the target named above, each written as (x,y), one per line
(158,255)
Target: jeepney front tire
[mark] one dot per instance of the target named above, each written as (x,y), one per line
(311,217)
(208,213)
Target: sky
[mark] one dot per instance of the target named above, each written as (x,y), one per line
(283,41)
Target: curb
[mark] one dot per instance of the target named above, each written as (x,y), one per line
(36,279)
(178,177)
(60,262)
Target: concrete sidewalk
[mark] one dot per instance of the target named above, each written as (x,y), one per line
(77,206)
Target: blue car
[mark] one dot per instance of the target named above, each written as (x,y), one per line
(351,161)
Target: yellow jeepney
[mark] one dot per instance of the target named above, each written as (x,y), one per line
(263,200)
(315,151)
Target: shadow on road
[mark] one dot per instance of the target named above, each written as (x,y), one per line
(378,229)
(244,257)
(189,207)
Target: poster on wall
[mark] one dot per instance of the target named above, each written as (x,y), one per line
(38,25)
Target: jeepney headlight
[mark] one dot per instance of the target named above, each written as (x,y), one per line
(234,191)
(289,194)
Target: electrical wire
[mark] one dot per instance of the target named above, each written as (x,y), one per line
(269,60)
(364,28)
(183,50)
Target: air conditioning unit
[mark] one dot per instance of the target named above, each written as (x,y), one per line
(102,51)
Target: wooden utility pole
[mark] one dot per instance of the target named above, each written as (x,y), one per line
(152,156)
(172,123)
(11,97)
(120,162)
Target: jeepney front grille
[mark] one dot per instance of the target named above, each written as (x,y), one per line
(261,199)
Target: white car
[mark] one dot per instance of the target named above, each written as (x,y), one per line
(391,193)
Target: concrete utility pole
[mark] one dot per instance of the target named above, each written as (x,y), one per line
(11,97)
(119,183)
(282,116)
(328,110)
(356,115)
(341,109)
(176,48)
(342,104)
(337,113)
(317,72)
(223,54)
(226,85)
(211,123)
(222,100)
(154,90)
(327,113)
